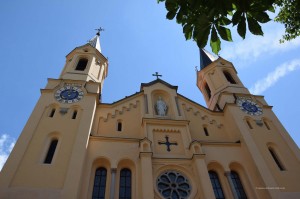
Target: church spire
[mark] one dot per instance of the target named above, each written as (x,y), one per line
(206,58)
(95,41)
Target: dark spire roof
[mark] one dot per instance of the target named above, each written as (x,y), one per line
(206,58)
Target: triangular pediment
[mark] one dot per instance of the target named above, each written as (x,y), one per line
(158,81)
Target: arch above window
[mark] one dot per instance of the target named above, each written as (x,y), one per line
(81,65)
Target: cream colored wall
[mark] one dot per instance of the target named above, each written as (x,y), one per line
(96,69)
(92,141)
(111,153)
(128,112)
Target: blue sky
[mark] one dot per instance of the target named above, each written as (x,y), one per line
(138,41)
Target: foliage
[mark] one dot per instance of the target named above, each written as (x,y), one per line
(289,15)
(203,18)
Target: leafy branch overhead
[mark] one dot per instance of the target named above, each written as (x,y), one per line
(204,19)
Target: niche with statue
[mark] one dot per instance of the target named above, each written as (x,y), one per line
(162,104)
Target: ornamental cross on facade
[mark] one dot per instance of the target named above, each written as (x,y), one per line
(167,143)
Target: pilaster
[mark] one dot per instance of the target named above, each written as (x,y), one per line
(203,175)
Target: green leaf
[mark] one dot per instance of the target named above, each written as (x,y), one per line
(188,31)
(254,26)
(236,18)
(179,16)
(241,28)
(271,9)
(224,33)
(171,15)
(202,20)
(215,42)
(224,21)
(261,17)
(202,36)
(171,5)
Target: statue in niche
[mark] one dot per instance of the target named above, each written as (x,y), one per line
(161,107)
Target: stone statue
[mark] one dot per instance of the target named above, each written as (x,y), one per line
(161,107)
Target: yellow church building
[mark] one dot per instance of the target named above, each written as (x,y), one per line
(154,144)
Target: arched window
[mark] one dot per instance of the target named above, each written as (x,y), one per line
(205,131)
(276,159)
(81,65)
(125,184)
(51,151)
(229,77)
(207,89)
(52,112)
(249,124)
(266,124)
(99,184)
(215,182)
(238,187)
(74,115)
(119,126)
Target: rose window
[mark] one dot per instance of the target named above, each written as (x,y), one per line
(173,185)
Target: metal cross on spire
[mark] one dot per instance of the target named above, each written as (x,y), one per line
(157,75)
(99,30)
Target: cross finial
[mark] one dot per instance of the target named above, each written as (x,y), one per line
(157,75)
(99,30)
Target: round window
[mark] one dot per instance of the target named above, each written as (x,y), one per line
(173,185)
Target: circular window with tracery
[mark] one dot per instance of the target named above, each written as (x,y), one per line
(173,185)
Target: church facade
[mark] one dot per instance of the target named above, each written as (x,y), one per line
(154,144)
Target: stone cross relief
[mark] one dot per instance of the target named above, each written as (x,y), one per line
(167,143)
(161,107)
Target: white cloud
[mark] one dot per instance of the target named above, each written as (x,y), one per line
(6,145)
(261,85)
(255,46)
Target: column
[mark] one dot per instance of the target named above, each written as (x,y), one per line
(147,175)
(113,183)
(203,176)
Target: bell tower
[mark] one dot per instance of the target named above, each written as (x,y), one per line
(217,79)
(50,153)
(86,62)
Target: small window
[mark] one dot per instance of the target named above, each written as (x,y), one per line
(205,131)
(207,89)
(125,184)
(74,115)
(51,151)
(99,184)
(276,159)
(238,187)
(81,65)
(249,124)
(52,112)
(119,126)
(215,182)
(229,77)
(266,124)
